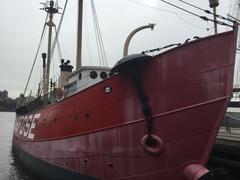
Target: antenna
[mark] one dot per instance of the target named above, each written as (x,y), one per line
(50,6)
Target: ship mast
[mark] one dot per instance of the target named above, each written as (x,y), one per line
(51,10)
(79,35)
(213,4)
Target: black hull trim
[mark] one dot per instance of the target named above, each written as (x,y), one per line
(44,170)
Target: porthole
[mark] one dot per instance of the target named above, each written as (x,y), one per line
(103,75)
(107,89)
(93,74)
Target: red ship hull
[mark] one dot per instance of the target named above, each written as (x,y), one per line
(97,135)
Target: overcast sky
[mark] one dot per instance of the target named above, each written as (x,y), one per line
(21,25)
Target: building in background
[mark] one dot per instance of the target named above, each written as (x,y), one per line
(3,95)
(6,103)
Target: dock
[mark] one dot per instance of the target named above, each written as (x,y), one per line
(228,134)
(226,150)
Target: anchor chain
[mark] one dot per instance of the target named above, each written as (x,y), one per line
(146,109)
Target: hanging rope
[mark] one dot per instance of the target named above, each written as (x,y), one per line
(39,45)
(100,45)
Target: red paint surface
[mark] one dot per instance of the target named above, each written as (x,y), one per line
(100,134)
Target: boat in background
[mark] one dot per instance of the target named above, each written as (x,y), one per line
(147,118)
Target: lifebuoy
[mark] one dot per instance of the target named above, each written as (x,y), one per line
(155,147)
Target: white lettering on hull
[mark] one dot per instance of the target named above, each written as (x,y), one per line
(24,125)
(33,125)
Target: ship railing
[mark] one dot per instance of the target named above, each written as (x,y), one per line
(24,106)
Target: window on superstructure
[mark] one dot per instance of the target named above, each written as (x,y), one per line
(103,75)
(70,88)
(80,76)
(93,74)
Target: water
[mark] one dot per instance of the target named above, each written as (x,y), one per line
(10,168)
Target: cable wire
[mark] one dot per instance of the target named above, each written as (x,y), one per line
(202,17)
(87,38)
(39,45)
(58,30)
(58,45)
(191,23)
(159,9)
(206,11)
(100,45)
(172,12)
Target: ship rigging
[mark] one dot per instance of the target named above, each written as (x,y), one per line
(141,119)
